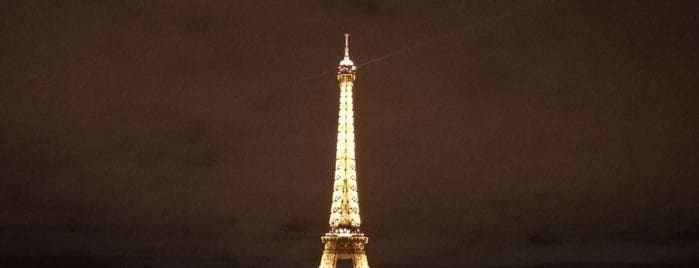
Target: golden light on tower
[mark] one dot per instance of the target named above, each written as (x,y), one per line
(344,241)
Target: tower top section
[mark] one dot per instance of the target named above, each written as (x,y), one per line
(346,65)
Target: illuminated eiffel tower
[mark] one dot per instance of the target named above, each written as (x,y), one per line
(344,241)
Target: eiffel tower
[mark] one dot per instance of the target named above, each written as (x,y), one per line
(344,241)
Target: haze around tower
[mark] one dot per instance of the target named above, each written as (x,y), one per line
(490,133)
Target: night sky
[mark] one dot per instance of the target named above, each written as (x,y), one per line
(194,133)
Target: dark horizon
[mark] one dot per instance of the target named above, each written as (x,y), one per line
(504,134)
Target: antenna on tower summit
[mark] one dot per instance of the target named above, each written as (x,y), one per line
(346,46)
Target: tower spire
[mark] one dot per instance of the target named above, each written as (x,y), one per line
(346,69)
(344,240)
(347,46)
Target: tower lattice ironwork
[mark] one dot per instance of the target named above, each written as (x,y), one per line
(344,241)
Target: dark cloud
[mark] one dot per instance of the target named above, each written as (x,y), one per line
(679,264)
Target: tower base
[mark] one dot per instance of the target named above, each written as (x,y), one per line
(344,246)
